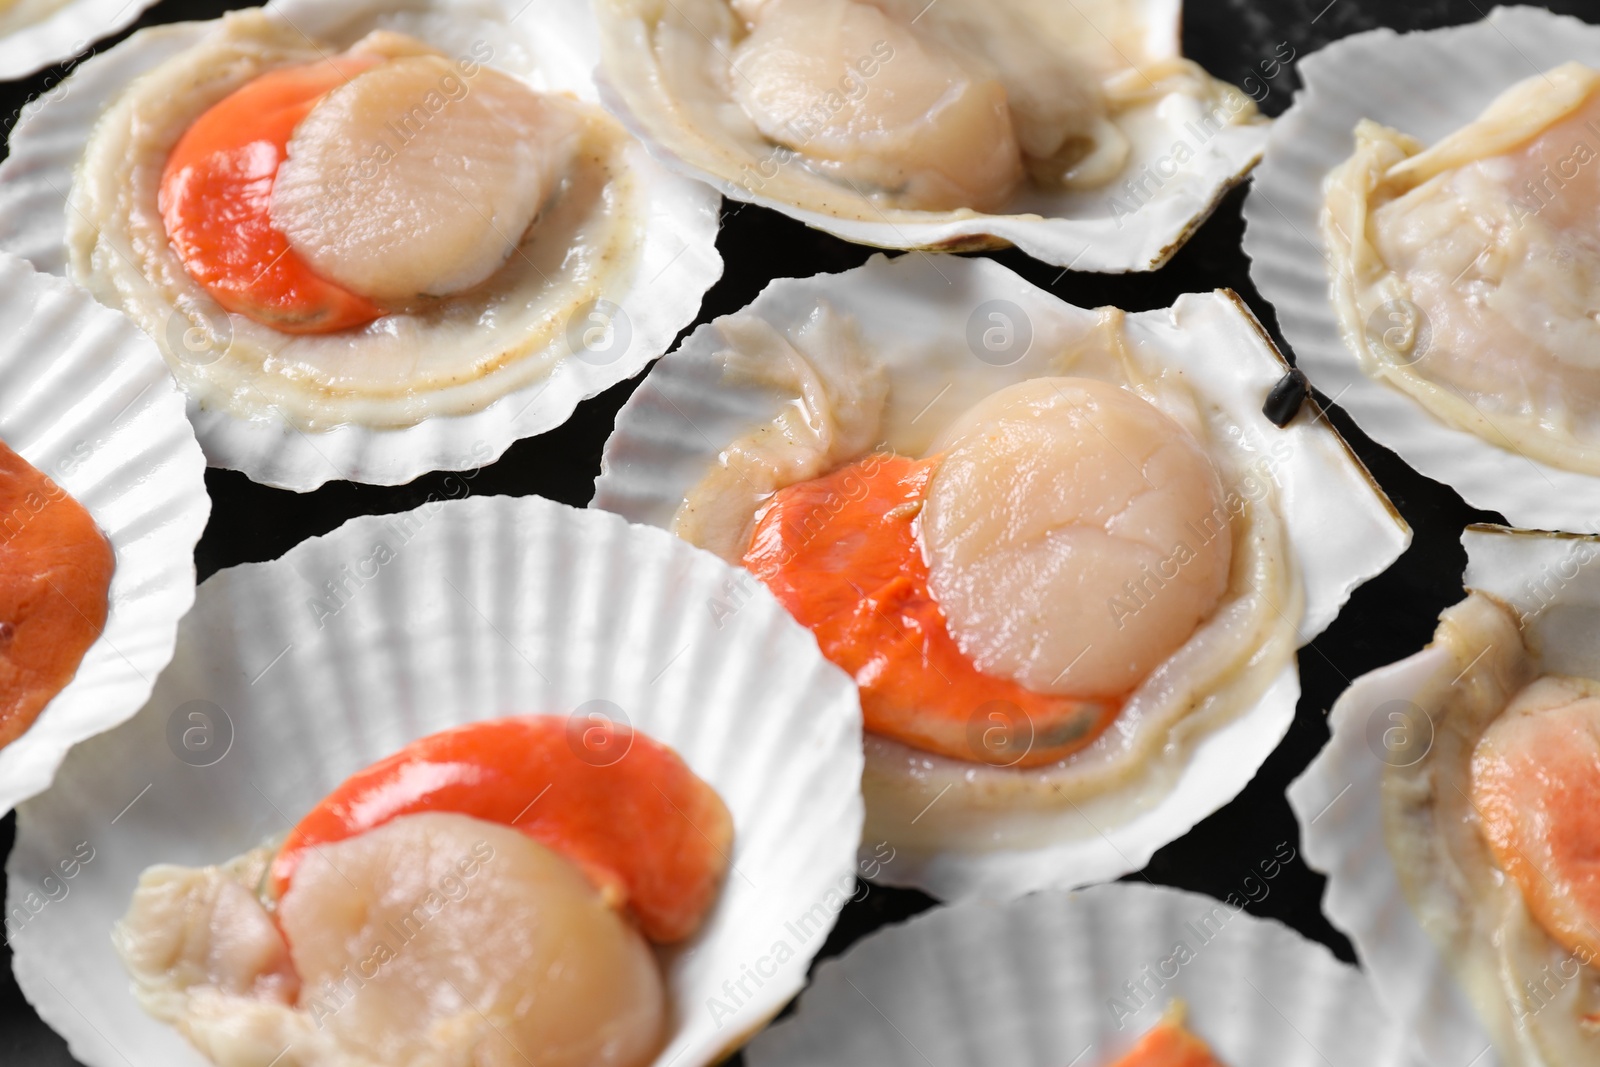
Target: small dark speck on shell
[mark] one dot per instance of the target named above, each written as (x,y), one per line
(1283,402)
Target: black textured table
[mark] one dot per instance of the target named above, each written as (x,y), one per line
(1241,41)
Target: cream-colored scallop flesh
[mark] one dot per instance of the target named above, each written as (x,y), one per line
(418,179)
(188,929)
(1075,535)
(473,940)
(1503,255)
(1467,273)
(867,99)
(1051,76)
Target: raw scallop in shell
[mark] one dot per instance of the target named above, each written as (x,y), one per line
(300,679)
(1064,552)
(1076,132)
(1431,257)
(364,256)
(1453,812)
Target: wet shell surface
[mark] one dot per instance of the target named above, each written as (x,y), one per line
(35,34)
(922,326)
(89,402)
(1427,85)
(293,674)
(664,74)
(445,388)
(1075,978)
(1399,728)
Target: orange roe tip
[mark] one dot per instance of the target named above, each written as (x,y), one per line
(1536,787)
(841,553)
(55,574)
(650,834)
(1170,1044)
(216,201)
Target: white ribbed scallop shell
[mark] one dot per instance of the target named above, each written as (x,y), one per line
(907,310)
(1038,982)
(488,607)
(1426,84)
(552,43)
(85,398)
(64,32)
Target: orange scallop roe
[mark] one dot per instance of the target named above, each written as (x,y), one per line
(1536,788)
(645,829)
(55,574)
(1170,1044)
(216,201)
(841,553)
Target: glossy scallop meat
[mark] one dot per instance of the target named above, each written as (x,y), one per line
(623,807)
(472,939)
(1075,536)
(869,100)
(417,178)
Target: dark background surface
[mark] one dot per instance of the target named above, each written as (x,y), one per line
(1390,617)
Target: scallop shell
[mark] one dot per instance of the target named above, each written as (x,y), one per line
(1340,525)
(1039,982)
(1427,84)
(63,30)
(1336,799)
(476,608)
(1068,229)
(85,398)
(556,42)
